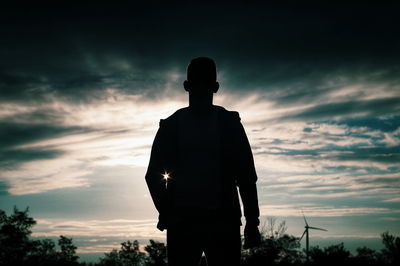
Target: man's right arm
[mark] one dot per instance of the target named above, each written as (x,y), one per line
(154,178)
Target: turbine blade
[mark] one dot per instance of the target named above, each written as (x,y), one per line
(302,235)
(316,228)
(304,217)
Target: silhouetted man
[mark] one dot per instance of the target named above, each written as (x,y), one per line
(199,156)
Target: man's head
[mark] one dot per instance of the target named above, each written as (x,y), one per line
(201,76)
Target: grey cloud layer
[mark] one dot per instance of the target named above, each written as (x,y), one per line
(372,107)
(13,134)
(257,45)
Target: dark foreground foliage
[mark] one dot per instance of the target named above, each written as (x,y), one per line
(277,248)
(17,249)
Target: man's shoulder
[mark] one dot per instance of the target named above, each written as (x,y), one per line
(172,118)
(228,114)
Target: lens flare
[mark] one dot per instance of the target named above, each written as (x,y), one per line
(166,176)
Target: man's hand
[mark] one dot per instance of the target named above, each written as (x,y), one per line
(162,222)
(252,237)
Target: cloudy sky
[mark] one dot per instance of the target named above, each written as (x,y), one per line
(317,86)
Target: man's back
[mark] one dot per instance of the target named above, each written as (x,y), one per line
(207,156)
(203,154)
(197,178)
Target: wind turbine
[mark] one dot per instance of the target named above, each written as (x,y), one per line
(306,233)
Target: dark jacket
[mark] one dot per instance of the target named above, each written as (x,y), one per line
(237,166)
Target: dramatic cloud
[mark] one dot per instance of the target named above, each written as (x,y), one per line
(317,86)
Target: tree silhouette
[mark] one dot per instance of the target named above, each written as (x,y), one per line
(128,255)
(43,253)
(66,256)
(17,249)
(331,255)
(157,253)
(391,252)
(277,248)
(111,259)
(366,256)
(14,237)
